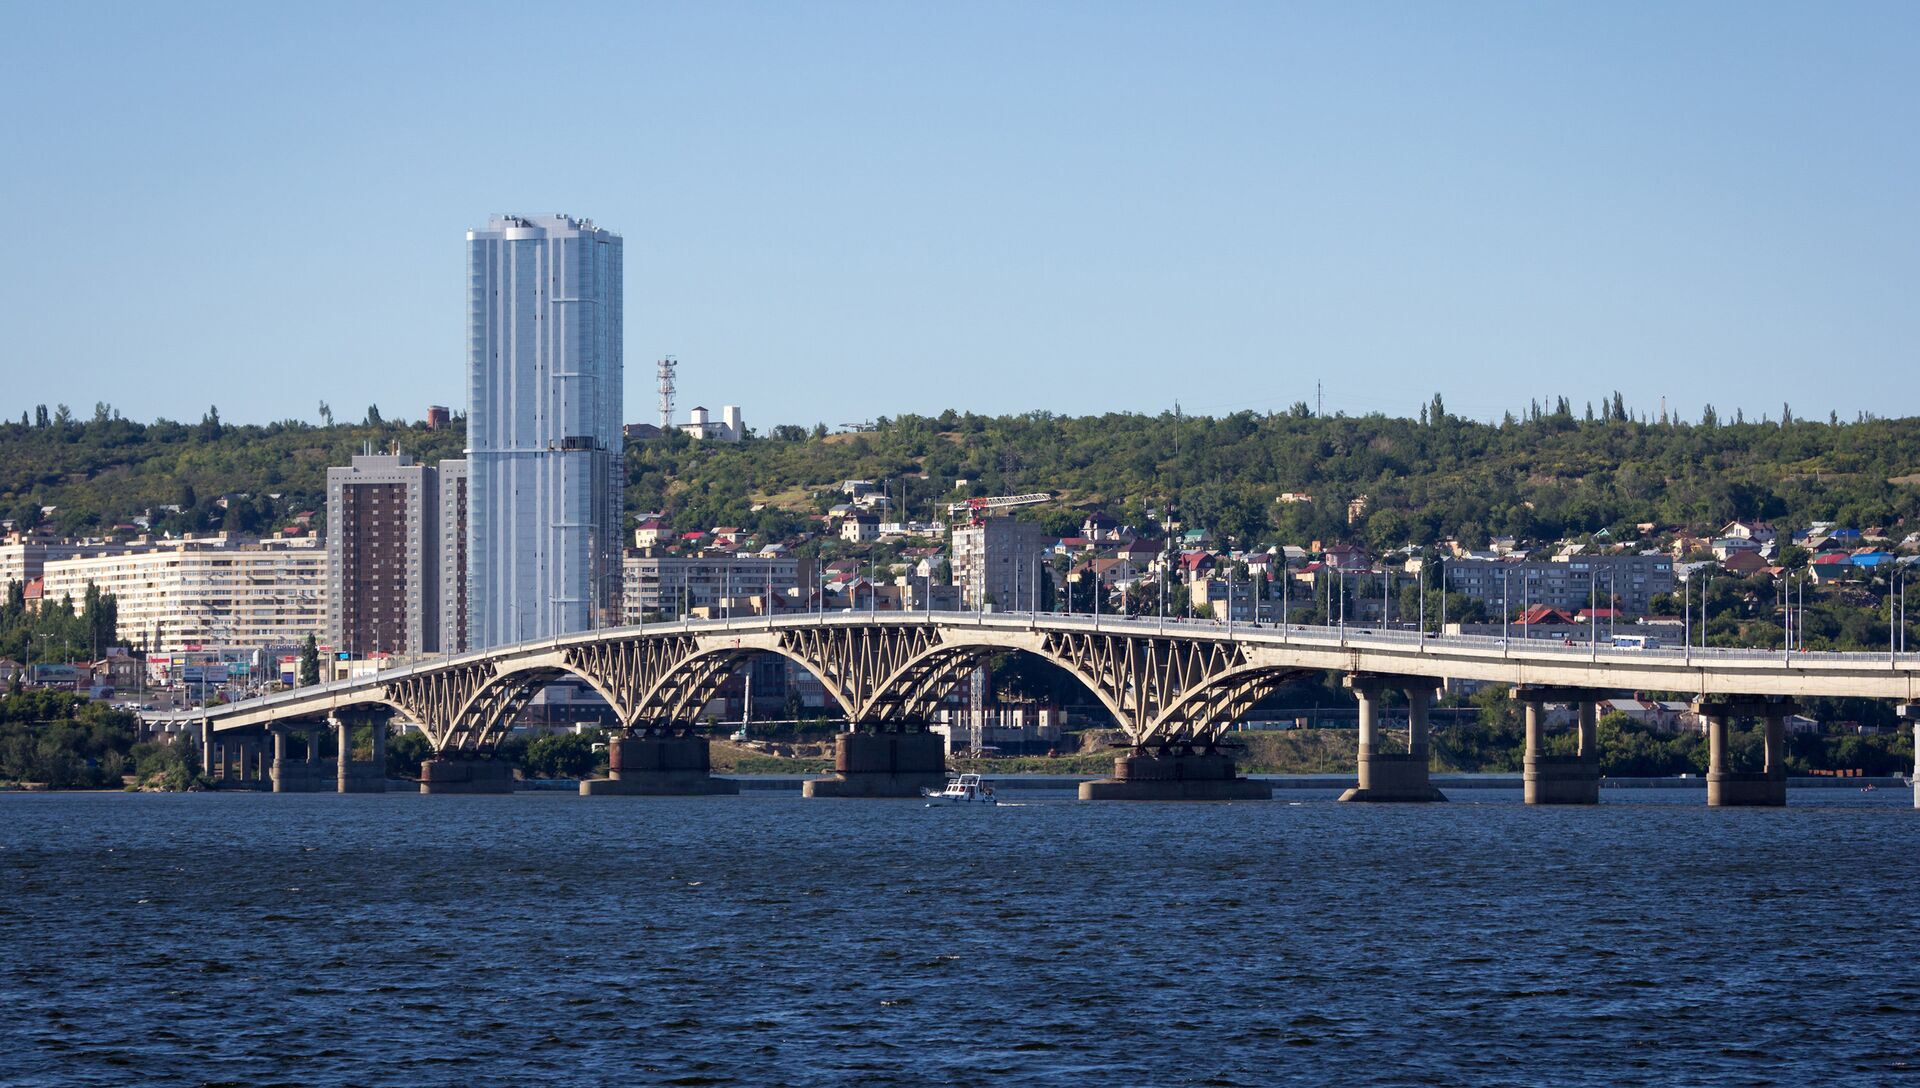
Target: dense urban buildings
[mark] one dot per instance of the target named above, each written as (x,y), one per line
(543,428)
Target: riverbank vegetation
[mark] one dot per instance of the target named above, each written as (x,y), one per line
(60,740)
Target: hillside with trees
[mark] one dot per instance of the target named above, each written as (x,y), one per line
(1553,472)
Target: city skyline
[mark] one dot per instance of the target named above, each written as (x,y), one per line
(843,219)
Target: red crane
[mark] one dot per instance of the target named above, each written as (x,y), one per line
(976,509)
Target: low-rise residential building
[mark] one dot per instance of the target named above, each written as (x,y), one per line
(1346,557)
(728,428)
(1757,531)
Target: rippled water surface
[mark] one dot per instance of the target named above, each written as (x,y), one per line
(765,939)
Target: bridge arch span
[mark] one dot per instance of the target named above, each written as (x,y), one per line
(914,688)
(1200,714)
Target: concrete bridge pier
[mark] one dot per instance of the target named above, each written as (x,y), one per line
(879,764)
(1911,712)
(1175,775)
(1728,788)
(1392,776)
(1561,780)
(658,766)
(305,776)
(240,762)
(353,776)
(205,738)
(462,772)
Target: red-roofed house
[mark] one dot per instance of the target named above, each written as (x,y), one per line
(647,534)
(1541,615)
(1193,564)
(1346,557)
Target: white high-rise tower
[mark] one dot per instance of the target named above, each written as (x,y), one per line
(544,457)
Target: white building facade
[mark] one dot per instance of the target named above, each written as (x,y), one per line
(175,595)
(671,586)
(544,348)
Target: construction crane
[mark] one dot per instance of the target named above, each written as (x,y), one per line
(976,509)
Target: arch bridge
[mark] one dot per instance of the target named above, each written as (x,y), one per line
(1164,682)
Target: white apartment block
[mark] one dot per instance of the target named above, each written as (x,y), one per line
(206,591)
(673,585)
(21,561)
(1000,562)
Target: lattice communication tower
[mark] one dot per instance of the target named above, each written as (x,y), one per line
(667,366)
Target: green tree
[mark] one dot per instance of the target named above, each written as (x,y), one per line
(309,662)
(562,755)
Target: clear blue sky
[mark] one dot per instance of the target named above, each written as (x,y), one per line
(833,212)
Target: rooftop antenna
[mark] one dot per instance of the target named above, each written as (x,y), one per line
(667,366)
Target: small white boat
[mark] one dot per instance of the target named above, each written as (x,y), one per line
(966,789)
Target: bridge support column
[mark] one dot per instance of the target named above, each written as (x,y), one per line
(352,776)
(305,776)
(1561,780)
(1141,775)
(204,735)
(883,765)
(1385,776)
(1728,788)
(343,754)
(1911,711)
(659,767)
(447,773)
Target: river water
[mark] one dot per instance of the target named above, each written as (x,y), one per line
(767,940)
